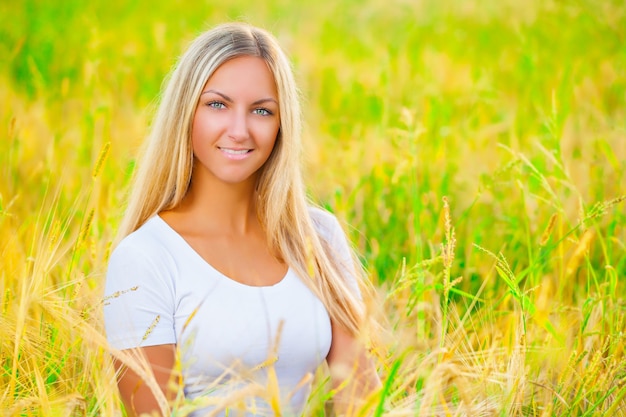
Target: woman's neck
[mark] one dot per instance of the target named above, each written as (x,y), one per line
(217,207)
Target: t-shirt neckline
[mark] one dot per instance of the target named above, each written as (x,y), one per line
(188,248)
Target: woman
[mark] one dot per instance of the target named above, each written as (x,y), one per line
(222,263)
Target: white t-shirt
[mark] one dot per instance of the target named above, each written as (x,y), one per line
(160,291)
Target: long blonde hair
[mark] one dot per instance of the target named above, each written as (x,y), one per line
(164,173)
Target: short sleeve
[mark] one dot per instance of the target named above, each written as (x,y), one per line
(330,230)
(139,298)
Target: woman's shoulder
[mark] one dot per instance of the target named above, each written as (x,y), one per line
(148,240)
(324,221)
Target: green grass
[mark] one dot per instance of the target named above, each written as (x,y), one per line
(509,302)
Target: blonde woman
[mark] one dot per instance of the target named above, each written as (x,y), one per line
(221,261)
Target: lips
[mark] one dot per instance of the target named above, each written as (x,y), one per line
(235,154)
(232,151)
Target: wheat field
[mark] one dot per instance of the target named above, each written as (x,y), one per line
(475,151)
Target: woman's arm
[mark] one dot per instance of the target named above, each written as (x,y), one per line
(136,394)
(352,371)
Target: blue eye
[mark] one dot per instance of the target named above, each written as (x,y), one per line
(262,112)
(216,105)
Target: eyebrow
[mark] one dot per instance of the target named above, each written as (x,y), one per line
(225,97)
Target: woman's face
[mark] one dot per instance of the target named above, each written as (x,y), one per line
(236,122)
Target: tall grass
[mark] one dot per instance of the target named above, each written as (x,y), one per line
(477,149)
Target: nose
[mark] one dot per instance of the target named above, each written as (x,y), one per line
(238,126)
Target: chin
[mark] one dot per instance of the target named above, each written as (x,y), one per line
(236,180)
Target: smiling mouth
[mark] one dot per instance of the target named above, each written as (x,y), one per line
(235,151)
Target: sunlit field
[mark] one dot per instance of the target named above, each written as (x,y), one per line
(474,150)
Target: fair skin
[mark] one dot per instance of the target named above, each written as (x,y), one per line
(234,130)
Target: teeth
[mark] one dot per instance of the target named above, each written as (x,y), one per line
(234,152)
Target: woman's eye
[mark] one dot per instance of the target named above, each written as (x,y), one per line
(262,112)
(216,105)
